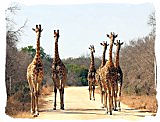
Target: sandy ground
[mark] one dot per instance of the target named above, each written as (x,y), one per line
(79,107)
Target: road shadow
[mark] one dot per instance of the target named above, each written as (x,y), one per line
(133,112)
(85,109)
(73,111)
(141,111)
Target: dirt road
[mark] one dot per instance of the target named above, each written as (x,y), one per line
(79,107)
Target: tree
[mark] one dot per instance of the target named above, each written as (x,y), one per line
(32,52)
(152,23)
(13,56)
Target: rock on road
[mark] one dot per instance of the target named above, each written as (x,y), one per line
(79,107)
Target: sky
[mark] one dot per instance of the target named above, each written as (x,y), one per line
(82,25)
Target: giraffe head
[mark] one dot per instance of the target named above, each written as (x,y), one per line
(38,30)
(105,45)
(118,44)
(56,35)
(112,36)
(92,48)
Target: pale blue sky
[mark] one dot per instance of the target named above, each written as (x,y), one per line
(82,25)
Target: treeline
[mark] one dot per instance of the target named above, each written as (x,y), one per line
(137,62)
(78,70)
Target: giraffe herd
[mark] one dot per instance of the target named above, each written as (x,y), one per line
(108,76)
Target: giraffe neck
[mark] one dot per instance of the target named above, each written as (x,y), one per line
(38,47)
(103,58)
(56,55)
(92,60)
(110,52)
(117,57)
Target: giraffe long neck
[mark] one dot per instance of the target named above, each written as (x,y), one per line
(92,60)
(38,47)
(103,58)
(117,57)
(56,54)
(110,52)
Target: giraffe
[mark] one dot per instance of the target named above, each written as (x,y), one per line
(59,75)
(108,76)
(104,44)
(35,74)
(119,73)
(91,74)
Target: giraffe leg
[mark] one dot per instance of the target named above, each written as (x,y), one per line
(36,100)
(32,103)
(114,91)
(62,99)
(31,85)
(90,90)
(110,96)
(60,91)
(93,91)
(103,102)
(36,104)
(55,96)
(106,95)
(104,98)
(101,97)
(119,97)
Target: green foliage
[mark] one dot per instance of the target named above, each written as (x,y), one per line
(78,72)
(32,52)
(29,50)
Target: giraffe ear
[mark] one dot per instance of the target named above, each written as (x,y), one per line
(41,30)
(107,35)
(101,44)
(33,29)
(121,43)
(116,35)
(107,44)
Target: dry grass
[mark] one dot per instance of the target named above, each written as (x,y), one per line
(18,109)
(46,90)
(148,103)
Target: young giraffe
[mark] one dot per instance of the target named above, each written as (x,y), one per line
(104,44)
(35,74)
(119,73)
(91,74)
(108,76)
(59,73)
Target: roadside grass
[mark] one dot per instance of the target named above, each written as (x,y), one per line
(148,103)
(17,109)
(145,102)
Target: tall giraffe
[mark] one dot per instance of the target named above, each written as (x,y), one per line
(35,74)
(91,74)
(108,76)
(119,73)
(59,73)
(104,44)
